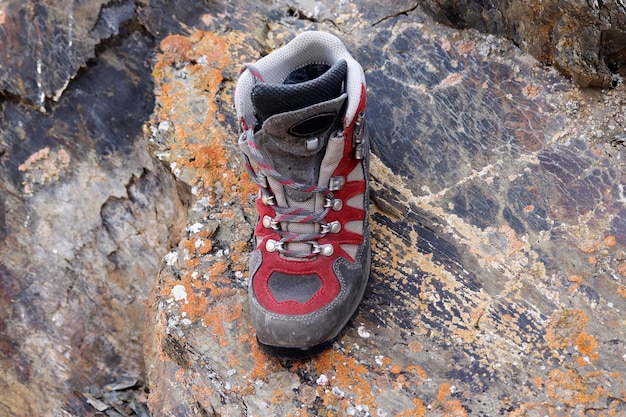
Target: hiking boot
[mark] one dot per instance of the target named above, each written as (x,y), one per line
(306,146)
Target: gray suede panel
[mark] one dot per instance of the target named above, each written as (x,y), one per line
(255,262)
(289,152)
(300,288)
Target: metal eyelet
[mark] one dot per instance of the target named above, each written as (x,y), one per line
(272,245)
(357,136)
(269,223)
(326,250)
(359,126)
(268,199)
(332,227)
(333,203)
(312,144)
(336,183)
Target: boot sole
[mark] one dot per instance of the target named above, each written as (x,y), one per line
(294,353)
(297,353)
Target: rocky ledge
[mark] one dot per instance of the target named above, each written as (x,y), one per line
(498,216)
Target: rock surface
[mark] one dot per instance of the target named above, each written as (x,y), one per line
(498,282)
(85,215)
(586,40)
(498,273)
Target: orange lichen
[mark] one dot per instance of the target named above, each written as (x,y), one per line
(402,382)
(218,315)
(589,249)
(564,327)
(279,396)
(452,408)
(568,329)
(215,320)
(610,240)
(396,369)
(490,251)
(212,47)
(530,91)
(180,375)
(214,172)
(576,280)
(200,44)
(514,244)
(466,47)
(418,410)
(195,306)
(586,345)
(349,375)
(175,48)
(238,252)
(202,393)
(262,363)
(216,280)
(450,80)
(233,361)
(37,156)
(417,371)
(43,167)
(443,391)
(573,389)
(199,140)
(416,346)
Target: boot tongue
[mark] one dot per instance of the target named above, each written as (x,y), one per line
(304,87)
(297,120)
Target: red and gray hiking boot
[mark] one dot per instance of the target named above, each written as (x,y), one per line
(306,146)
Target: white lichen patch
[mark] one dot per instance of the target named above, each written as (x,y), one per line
(322,380)
(179,292)
(194,228)
(363,332)
(171,258)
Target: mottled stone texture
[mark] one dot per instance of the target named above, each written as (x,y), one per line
(498,207)
(85,216)
(585,40)
(499,264)
(43,44)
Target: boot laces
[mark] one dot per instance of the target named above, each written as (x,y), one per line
(288,214)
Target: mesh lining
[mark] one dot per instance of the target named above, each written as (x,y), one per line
(306,73)
(307,48)
(269,99)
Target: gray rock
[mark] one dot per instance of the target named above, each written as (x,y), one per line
(584,40)
(497,232)
(499,239)
(86,217)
